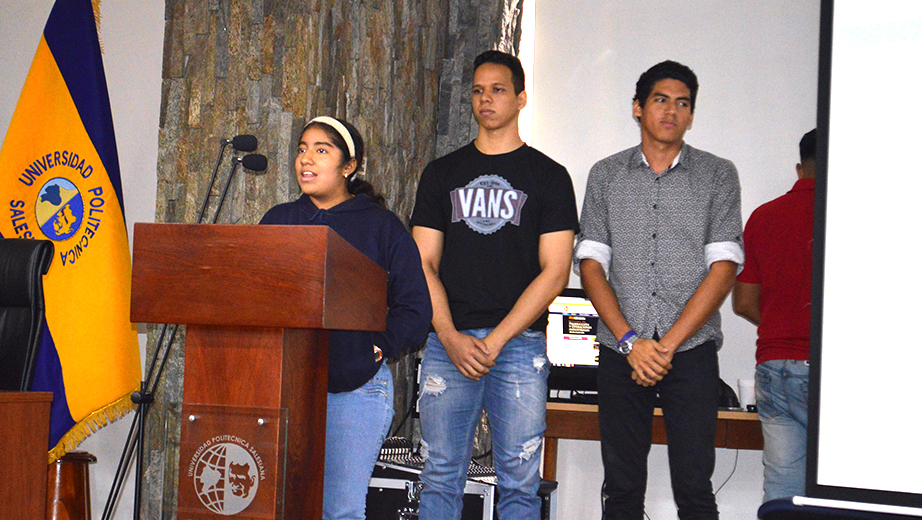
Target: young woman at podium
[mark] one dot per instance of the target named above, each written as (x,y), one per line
(360,389)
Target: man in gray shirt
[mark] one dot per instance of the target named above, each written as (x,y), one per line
(659,249)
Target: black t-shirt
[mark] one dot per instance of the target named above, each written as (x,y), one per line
(492,210)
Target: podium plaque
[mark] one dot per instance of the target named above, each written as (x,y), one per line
(232,462)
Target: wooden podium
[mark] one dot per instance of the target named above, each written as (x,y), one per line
(258,302)
(24,420)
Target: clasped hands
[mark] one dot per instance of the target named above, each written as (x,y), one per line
(474,357)
(471,355)
(650,360)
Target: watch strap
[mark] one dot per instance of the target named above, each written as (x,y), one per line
(630,336)
(626,345)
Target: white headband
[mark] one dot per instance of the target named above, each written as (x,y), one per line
(339,127)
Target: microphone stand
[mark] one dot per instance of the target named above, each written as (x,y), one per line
(255,162)
(214,175)
(144,398)
(227,184)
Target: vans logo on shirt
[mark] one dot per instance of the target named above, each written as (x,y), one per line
(487,203)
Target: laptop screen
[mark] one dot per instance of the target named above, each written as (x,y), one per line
(571,346)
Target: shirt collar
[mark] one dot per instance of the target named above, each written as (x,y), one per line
(804,185)
(676,161)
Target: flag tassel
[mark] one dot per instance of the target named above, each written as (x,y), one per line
(91,423)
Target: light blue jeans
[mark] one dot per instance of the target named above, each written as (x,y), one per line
(357,423)
(514,395)
(781,396)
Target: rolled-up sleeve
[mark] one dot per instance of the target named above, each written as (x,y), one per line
(594,237)
(725,236)
(724,251)
(592,250)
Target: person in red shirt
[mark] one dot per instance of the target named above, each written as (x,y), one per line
(773,292)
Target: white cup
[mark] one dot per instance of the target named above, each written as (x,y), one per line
(747,392)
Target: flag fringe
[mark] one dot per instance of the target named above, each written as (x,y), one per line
(93,422)
(97,16)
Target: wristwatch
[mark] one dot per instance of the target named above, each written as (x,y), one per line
(626,345)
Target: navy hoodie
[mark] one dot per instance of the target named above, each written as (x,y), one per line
(380,236)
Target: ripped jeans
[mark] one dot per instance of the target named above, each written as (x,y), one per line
(514,395)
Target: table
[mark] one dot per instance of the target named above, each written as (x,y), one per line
(735,430)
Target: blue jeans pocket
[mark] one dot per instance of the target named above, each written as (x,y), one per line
(767,389)
(376,385)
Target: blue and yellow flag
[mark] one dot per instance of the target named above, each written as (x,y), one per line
(59,180)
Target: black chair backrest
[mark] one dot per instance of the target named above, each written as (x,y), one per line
(22,308)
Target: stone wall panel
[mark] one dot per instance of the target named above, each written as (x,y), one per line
(398,69)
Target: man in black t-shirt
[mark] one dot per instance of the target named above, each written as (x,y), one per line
(494,222)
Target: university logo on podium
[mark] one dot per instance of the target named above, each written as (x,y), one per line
(226,471)
(229,459)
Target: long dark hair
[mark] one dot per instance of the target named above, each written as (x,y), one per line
(354,183)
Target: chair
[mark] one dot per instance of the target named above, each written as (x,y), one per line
(22,308)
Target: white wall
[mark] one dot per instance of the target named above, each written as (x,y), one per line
(757,66)
(132,36)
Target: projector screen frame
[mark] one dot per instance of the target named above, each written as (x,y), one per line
(813,488)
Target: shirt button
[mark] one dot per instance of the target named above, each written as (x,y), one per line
(654,235)
(654,206)
(654,293)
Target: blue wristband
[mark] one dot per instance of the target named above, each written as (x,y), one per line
(628,336)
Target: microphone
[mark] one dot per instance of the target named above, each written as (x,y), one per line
(242,143)
(254,162)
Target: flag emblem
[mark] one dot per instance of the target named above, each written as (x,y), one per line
(59,209)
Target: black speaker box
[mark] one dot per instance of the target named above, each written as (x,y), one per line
(393,494)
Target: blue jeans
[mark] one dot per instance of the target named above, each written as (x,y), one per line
(781,396)
(514,395)
(357,423)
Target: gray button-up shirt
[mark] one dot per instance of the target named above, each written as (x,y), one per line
(657,235)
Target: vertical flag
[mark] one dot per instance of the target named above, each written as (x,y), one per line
(59,180)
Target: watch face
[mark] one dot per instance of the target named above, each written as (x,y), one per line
(625,348)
